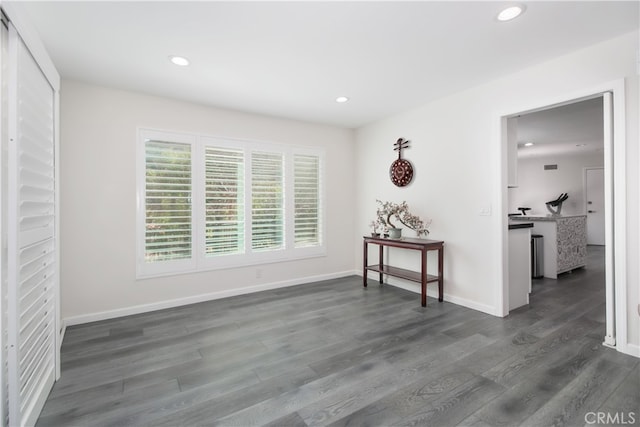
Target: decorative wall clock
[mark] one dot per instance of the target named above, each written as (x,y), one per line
(401,170)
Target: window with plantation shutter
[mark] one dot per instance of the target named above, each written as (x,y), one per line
(167,199)
(306,175)
(267,201)
(209,203)
(224,192)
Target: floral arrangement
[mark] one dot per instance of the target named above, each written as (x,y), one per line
(400,212)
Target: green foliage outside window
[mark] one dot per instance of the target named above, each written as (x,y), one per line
(167,201)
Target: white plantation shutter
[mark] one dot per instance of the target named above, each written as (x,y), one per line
(267,201)
(36,323)
(224,201)
(306,176)
(35,154)
(4,191)
(167,200)
(31,239)
(208,203)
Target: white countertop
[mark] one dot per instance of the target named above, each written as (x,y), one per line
(543,217)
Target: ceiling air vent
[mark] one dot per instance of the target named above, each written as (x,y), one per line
(550,167)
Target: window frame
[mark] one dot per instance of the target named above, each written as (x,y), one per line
(199,260)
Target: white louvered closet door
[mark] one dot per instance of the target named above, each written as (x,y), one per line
(31,236)
(4,282)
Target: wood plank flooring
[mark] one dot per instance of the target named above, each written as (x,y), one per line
(333,353)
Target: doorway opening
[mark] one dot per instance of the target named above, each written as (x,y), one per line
(612,96)
(557,148)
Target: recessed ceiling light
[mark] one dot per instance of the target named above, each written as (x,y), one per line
(342,99)
(179,60)
(510,13)
(528,144)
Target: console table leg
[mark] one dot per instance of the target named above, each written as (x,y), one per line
(365,262)
(423,281)
(441,274)
(381,260)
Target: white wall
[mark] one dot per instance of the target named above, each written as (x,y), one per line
(536,186)
(457,163)
(98,201)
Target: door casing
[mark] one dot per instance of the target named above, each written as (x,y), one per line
(615,198)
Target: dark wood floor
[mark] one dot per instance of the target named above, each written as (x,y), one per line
(332,353)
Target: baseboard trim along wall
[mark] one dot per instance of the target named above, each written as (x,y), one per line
(145,308)
(632,350)
(432,291)
(626,348)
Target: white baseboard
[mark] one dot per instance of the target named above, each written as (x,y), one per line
(160,305)
(632,350)
(432,291)
(63,330)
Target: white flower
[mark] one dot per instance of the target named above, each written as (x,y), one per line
(386,210)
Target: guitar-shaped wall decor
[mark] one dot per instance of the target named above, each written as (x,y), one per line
(401,170)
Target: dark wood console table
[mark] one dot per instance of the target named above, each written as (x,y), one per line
(422,245)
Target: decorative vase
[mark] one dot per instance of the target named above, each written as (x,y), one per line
(395,233)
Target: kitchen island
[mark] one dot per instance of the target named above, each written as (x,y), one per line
(564,241)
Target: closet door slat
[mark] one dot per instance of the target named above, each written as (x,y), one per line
(32,249)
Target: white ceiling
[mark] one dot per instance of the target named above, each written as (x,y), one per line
(569,129)
(292,59)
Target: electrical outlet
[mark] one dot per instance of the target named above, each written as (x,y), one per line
(258,273)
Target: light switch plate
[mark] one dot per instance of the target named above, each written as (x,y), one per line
(485,210)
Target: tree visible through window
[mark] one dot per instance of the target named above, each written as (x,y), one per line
(267,201)
(307,199)
(224,192)
(167,201)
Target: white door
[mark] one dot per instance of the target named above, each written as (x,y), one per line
(594,196)
(31,247)
(4,285)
